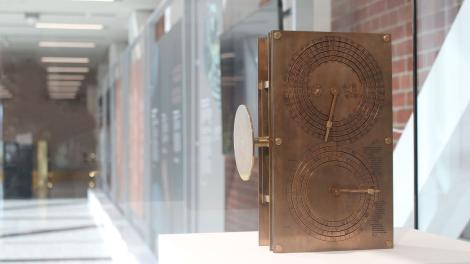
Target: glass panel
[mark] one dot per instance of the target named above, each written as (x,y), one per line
(191,191)
(239,53)
(443,100)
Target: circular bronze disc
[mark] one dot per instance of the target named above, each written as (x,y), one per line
(243,142)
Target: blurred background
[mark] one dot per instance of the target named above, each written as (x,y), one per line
(121,112)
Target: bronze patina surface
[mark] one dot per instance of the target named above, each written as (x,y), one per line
(325,120)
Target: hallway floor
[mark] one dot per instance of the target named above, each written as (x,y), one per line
(50,231)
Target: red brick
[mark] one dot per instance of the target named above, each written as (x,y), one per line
(394,3)
(404,48)
(422,61)
(360,13)
(395,115)
(387,20)
(409,99)
(431,40)
(403,115)
(431,6)
(431,22)
(398,32)
(395,83)
(405,13)
(406,81)
(409,64)
(398,66)
(376,8)
(398,99)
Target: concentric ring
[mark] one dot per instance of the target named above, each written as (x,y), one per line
(314,177)
(340,50)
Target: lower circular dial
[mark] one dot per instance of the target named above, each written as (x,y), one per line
(332,194)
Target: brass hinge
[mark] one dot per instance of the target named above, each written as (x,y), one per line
(266,199)
(262,142)
(263,84)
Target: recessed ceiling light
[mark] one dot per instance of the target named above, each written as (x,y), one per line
(68,69)
(64,83)
(65,60)
(65,44)
(63,92)
(66,77)
(42,25)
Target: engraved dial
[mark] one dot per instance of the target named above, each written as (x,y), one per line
(332,193)
(341,65)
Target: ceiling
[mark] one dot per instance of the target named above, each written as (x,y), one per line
(19,39)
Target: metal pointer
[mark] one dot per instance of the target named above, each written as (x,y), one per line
(329,123)
(338,191)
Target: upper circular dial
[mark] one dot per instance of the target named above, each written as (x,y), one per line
(335,89)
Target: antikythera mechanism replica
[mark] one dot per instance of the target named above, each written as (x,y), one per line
(325,141)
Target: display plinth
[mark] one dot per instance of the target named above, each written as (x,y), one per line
(242,247)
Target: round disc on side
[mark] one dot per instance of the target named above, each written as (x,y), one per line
(243,145)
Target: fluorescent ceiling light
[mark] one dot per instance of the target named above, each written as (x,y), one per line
(42,25)
(65,60)
(68,69)
(63,92)
(93,0)
(64,83)
(62,97)
(63,44)
(66,77)
(63,89)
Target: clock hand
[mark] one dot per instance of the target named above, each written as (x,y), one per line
(329,123)
(337,191)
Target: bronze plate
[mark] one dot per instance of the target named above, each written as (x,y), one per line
(263,115)
(330,116)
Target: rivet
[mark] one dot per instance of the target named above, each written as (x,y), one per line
(388,243)
(278,141)
(388,140)
(386,37)
(317,92)
(278,248)
(277,35)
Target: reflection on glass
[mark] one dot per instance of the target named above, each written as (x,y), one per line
(239,69)
(443,117)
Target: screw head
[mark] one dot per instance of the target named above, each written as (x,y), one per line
(278,141)
(277,35)
(317,92)
(388,140)
(278,248)
(387,37)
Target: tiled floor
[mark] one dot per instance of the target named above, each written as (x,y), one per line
(50,231)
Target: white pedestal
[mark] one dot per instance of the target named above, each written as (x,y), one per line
(242,248)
